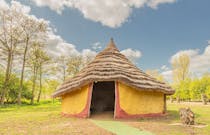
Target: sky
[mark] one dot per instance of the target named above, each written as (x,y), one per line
(153,32)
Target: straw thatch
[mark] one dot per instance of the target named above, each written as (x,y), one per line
(111,65)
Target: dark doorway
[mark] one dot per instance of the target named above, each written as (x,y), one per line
(103,97)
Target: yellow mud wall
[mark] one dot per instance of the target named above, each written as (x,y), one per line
(133,101)
(74,102)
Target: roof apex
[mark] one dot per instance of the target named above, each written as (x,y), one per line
(111,44)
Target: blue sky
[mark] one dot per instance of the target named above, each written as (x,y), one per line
(158,33)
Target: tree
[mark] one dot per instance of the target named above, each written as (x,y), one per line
(33,29)
(50,86)
(181,67)
(180,70)
(43,60)
(14,86)
(1,80)
(62,62)
(196,89)
(9,38)
(34,62)
(183,90)
(74,65)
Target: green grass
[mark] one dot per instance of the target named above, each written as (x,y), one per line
(45,118)
(163,126)
(202,116)
(42,119)
(23,119)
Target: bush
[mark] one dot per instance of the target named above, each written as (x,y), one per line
(13,88)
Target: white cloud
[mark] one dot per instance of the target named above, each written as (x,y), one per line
(191,53)
(56,5)
(199,62)
(96,46)
(88,55)
(3,5)
(208,42)
(56,46)
(110,13)
(132,55)
(164,68)
(154,3)
(168,75)
(19,7)
(14,5)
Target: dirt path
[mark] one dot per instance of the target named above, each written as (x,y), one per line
(119,128)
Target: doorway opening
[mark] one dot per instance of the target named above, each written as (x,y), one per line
(103,97)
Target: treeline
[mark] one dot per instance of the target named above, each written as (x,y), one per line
(187,87)
(197,89)
(22,41)
(27,71)
(48,86)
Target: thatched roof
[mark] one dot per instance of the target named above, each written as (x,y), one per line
(111,65)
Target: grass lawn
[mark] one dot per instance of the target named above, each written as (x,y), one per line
(45,119)
(162,126)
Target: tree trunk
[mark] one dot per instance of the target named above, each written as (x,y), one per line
(34,83)
(40,83)
(7,78)
(22,71)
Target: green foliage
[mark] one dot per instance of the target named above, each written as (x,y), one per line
(208,91)
(182,89)
(13,87)
(49,87)
(193,88)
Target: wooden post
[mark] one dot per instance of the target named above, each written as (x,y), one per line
(164,111)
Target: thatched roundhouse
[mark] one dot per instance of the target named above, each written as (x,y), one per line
(112,83)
